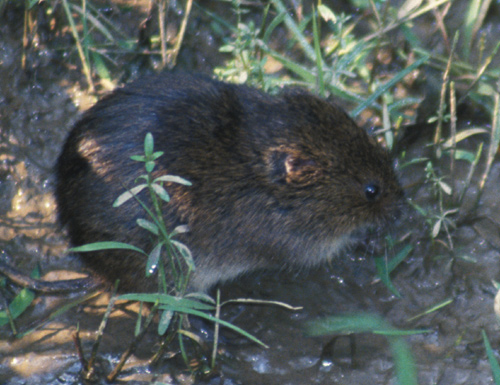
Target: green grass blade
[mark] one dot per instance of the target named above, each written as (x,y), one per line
(399,257)
(385,87)
(297,33)
(98,246)
(403,360)
(269,30)
(165,320)
(383,271)
(168,300)
(495,367)
(432,309)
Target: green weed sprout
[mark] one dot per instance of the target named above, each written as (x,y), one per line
(169,257)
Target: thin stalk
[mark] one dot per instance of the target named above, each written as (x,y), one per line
(180,35)
(317,49)
(453,125)
(25,35)
(473,167)
(162,7)
(100,332)
(127,353)
(442,103)
(85,38)
(81,54)
(494,139)
(216,330)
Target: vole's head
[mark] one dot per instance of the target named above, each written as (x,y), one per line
(331,177)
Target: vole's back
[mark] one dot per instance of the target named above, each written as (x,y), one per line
(276,180)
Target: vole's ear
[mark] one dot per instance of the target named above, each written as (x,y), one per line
(291,167)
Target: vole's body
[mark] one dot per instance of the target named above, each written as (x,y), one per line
(276,181)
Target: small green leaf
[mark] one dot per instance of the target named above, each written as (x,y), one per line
(164,323)
(157,154)
(173,179)
(148,225)
(148,145)
(161,192)
(18,305)
(129,194)
(185,252)
(468,156)
(383,273)
(138,158)
(179,230)
(436,228)
(326,13)
(226,48)
(150,166)
(153,258)
(445,187)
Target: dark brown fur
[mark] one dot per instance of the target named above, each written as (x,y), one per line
(276,181)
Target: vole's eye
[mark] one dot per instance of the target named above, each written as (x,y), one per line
(372,191)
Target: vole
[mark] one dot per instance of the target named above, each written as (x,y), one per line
(276,180)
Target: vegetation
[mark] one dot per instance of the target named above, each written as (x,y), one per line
(173,263)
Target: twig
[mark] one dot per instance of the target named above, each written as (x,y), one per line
(180,35)
(102,326)
(126,354)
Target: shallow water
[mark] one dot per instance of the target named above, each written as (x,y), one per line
(37,109)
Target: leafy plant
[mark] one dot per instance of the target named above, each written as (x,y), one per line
(173,262)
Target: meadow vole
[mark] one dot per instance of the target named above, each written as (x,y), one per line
(276,180)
